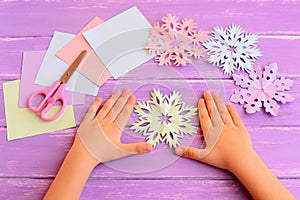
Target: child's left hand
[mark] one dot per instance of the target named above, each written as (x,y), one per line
(100,132)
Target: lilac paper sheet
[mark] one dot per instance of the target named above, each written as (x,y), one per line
(30,66)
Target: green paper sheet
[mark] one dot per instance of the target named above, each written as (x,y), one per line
(21,122)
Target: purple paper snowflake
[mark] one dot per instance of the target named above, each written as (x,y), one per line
(262,88)
(175,42)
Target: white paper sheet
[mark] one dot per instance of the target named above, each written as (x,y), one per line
(52,68)
(119,42)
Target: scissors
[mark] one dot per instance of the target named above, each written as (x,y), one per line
(55,93)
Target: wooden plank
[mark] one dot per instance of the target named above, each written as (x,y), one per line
(41,156)
(43,18)
(280,50)
(12,49)
(192,90)
(139,189)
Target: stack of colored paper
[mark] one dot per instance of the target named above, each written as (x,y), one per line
(113,48)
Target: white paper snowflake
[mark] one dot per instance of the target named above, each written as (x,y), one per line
(175,42)
(232,49)
(262,89)
(164,118)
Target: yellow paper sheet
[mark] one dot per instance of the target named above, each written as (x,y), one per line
(21,122)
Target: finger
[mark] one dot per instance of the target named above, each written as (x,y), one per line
(124,115)
(234,115)
(212,108)
(203,116)
(119,105)
(223,112)
(109,104)
(136,148)
(91,113)
(188,152)
(208,101)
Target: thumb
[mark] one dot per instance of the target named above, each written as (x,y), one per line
(188,152)
(137,148)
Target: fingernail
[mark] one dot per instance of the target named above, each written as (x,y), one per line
(179,151)
(127,90)
(202,101)
(215,95)
(132,99)
(117,91)
(207,92)
(147,147)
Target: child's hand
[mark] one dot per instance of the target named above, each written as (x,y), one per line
(227,140)
(228,146)
(100,132)
(98,140)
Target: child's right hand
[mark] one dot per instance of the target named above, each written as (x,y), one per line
(227,140)
(228,146)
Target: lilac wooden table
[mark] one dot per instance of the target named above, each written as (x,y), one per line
(28,166)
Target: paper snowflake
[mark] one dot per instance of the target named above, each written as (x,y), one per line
(262,88)
(175,42)
(164,118)
(232,49)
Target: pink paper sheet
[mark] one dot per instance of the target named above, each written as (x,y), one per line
(91,67)
(30,66)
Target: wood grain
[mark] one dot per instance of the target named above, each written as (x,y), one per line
(192,90)
(139,189)
(267,17)
(27,166)
(41,156)
(280,50)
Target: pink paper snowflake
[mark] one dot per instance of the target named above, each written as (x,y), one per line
(262,88)
(175,42)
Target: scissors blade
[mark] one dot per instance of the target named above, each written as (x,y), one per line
(68,73)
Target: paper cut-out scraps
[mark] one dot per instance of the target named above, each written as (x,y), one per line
(232,49)
(262,89)
(175,42)
(164,118)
